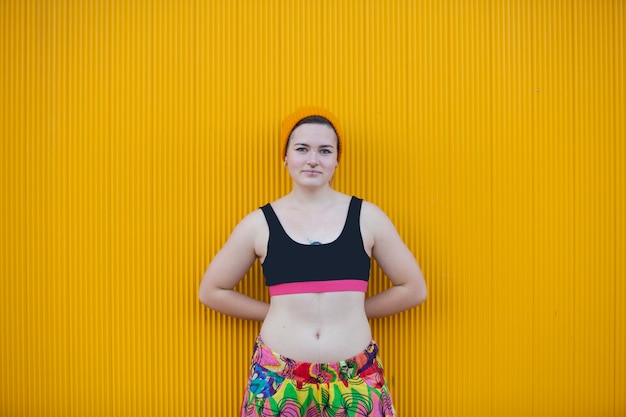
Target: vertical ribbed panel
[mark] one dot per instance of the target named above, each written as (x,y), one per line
(618,20)
(135,134)
(598,62)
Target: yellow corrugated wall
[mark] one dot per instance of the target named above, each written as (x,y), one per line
(135,134)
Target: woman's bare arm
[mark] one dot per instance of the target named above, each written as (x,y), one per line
(397,263)
(229,266)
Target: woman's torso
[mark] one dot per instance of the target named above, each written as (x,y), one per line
(315,327)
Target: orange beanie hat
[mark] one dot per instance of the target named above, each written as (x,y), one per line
(292,120)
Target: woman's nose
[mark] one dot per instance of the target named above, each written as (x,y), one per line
(313,157)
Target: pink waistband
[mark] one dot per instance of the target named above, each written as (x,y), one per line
(318,286)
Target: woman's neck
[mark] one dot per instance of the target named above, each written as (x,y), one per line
(313,197)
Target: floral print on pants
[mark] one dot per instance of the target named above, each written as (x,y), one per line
(279,386)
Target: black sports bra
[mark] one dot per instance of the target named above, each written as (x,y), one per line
(292,268)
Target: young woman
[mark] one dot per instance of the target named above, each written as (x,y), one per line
(314,355)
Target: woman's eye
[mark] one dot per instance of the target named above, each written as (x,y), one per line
(325,151)
(300,149)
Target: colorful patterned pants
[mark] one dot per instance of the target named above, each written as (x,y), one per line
(279,386)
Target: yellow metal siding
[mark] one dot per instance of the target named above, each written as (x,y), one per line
(135,134)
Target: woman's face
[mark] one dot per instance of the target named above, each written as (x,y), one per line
(312,154)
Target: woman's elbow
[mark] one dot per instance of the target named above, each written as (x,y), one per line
(202,296)
(413,296)
(419,295)
(205,295)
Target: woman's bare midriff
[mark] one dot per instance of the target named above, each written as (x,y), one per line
(317,327)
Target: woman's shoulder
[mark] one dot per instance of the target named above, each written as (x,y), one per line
(255,216)
(252,223)
(251,231)
(375,220)
(371,211)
